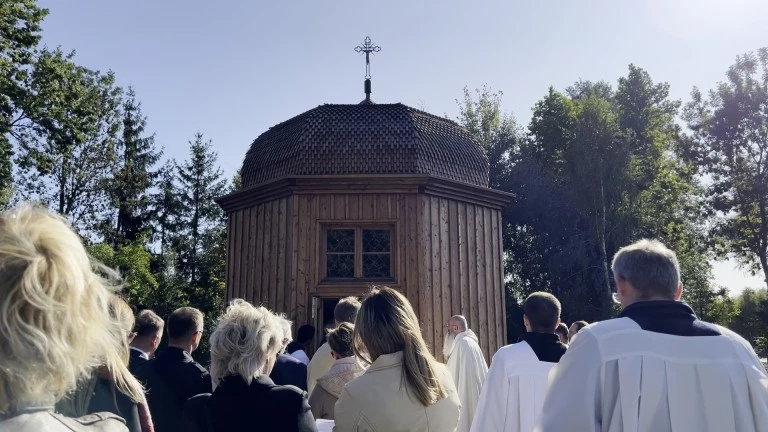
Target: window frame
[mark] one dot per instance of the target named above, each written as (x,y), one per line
(358,252)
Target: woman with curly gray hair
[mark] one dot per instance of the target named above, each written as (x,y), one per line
(244,346)
(55,327)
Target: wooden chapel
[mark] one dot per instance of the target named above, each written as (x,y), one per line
(342,197)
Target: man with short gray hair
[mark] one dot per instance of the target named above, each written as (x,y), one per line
(657,367)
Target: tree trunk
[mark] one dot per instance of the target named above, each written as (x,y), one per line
(604,293)
(762,253)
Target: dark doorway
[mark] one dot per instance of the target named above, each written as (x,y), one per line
(323,317)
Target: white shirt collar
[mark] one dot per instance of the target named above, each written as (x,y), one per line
(143,355)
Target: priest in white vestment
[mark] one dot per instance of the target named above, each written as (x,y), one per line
(513,394)
(657,367)
(467,365)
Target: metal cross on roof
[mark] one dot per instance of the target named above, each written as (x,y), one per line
(367,47)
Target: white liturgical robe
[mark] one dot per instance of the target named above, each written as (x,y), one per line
(319,365)
(618,377)
(468,369)
(513,393)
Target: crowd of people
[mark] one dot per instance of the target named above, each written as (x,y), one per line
(74,358)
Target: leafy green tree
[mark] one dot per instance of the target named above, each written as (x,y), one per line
(751,322)
(600,169)
(131,180)
(69,147)
(19,36)
(729,142)
(133,261)
(663,199)
(496,131)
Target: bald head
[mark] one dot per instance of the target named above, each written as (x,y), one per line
(456,324)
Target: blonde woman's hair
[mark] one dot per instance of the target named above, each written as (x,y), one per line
(386,324)
(115,367)
(243,339)
(55,326)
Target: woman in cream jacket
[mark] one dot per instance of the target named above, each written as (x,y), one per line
(405,388)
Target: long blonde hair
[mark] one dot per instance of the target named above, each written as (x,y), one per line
(386,324)
(55,326)
(115,367)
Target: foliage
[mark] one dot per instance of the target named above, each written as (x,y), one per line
(199,182)
(133,261)
(495,131)
(598,169)
(166,205)
(68,148)
(19,35)
(131,178)
(729,143)
(751,321)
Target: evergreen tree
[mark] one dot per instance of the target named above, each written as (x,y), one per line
(132,178)
(166,208)
(200,181)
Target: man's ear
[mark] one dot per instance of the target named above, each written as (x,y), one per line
(679,292)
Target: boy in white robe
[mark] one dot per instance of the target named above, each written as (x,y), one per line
(513,394)
(467,366)
(656,367)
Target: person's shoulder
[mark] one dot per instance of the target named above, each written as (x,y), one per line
(512,350)
(287,394)
(101,421)
(735,338)
(191,369)
(146,370)
(605,328)
(290,361)
(468,342)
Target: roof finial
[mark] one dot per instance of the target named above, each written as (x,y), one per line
(368,48)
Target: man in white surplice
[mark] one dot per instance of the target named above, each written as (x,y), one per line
(656,367)
(514,389)
(467,365)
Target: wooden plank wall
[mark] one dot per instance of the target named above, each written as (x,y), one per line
(259,262)
(461,258)
(448,258)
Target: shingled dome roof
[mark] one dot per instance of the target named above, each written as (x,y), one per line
(365,139)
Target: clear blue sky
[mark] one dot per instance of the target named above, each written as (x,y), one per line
(232,69)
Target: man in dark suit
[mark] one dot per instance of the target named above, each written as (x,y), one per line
(174,376)
(148,332)
(288,370)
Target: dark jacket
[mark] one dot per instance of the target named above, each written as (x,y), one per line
(261,406)
(97,395)
(170,379)
(289,371)
(135,361)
